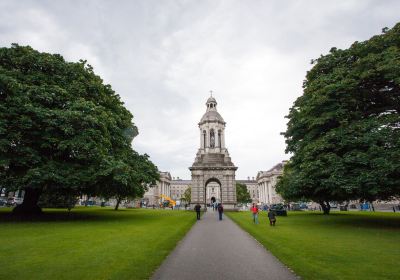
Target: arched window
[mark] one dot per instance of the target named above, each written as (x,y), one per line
(204,138)
(219,138)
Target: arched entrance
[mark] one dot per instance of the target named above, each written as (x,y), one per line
(212,191)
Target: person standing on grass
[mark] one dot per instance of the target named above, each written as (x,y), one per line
(220,211)
(254,210)
(197,209)
(271,217)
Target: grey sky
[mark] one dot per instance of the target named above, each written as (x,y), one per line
(163,57)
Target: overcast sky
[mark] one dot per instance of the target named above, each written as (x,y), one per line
(163,58)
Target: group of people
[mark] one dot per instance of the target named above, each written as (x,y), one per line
(219,208)
(254,210)
(271,215)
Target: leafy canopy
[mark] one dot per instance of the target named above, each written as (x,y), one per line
(61,127)
(242,194)
(343,132)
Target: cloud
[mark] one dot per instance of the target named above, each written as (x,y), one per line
(163,57)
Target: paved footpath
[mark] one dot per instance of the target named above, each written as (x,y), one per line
(215,249)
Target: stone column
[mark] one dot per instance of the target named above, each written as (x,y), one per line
(270,190)
(207,143)
(267,192)
(223,138)
(262,192)
(216,137)
(201,139)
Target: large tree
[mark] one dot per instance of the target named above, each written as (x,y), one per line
(344,131)
(60,126)
(242,194)
(127,177)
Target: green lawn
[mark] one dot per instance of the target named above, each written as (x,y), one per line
(89,243)
(339,246)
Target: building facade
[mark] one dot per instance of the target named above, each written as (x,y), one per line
(252,188)
(178,188)
(266,181)
(153,196)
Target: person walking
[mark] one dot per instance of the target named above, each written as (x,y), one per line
(220,211)
(254,210)
(271,217)
(197,208)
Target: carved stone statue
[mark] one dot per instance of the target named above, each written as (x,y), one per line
(212,139)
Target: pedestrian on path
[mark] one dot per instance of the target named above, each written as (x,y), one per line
(271,217)
(197,208)
(220,211)
(254,210)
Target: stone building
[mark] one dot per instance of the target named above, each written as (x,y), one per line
(252,188)
(213,173)
(178,188)
(163,186)
(266,181)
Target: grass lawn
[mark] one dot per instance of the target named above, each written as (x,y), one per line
(89,243)
(349,245)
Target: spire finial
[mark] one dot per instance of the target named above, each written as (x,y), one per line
(211,92)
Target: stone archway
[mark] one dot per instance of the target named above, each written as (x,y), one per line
(223,176)
(213,191)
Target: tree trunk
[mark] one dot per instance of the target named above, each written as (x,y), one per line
(326,207)
(118,202)
(29,205)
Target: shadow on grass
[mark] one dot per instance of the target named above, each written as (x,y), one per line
(79,215)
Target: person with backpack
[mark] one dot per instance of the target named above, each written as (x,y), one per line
(197,208)
(254,210)
(271,217)
(220,211)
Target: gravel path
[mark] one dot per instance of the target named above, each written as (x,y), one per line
(215,249)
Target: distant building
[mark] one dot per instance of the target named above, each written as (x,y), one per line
(252,188)
(266,181)
(163,187)
(178,187)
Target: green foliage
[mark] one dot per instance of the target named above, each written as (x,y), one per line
(242,194)
(344,131)
(187,195)
(126,177)
(353,245)
(62,128)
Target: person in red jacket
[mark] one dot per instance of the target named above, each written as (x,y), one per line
(254,210)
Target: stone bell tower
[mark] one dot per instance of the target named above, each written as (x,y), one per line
(213,163)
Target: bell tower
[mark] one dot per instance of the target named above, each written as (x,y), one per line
(213,163)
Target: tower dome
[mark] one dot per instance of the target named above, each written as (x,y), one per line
(211,100)
(211,115)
